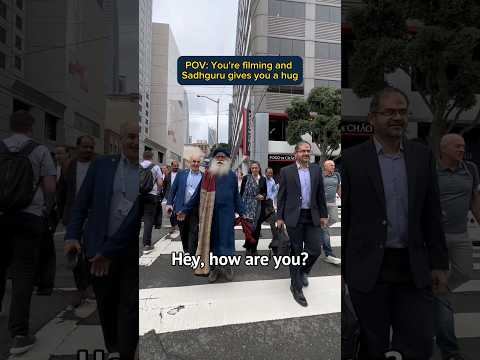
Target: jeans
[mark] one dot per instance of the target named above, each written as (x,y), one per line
(332,219)
(461,266)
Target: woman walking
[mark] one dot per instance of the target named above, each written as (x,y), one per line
(253,192)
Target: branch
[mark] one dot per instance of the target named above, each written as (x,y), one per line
(449,110)
(454,121)
(474,123)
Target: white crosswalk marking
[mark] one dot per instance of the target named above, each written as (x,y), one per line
(193,304)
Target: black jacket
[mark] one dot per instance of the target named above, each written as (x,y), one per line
(364,216)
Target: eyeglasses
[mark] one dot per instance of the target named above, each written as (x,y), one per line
(392,112)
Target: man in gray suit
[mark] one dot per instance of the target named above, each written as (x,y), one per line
(302,208)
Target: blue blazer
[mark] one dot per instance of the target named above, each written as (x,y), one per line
(92,206)
(176,197)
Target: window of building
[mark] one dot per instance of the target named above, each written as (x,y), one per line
(18,62)
(3,60)
(18,42)
(327,51)
(146,104)
(288,9)
(19,22)
(50,129)
(3,9)
(19,4)
(146,112)
(160,157)
(3,35)
(286,47)
(286,89)
(146,94)
(332,83)
(328,14)
(277,130)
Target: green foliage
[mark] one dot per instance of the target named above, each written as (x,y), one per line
(442,55)
(323,125)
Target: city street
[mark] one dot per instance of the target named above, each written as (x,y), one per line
(254,317)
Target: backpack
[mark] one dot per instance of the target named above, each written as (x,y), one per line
(147,180)
(17,182)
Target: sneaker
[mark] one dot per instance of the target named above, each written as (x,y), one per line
(114,356)
(147,249)
(332,260)
(21,344)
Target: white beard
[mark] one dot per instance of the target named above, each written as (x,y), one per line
(220,168)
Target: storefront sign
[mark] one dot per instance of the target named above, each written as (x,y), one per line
(356,128)
(281,157)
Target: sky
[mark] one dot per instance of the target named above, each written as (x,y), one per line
(202,27)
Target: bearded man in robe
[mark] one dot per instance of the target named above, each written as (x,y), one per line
(218,201)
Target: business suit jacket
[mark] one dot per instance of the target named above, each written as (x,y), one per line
(176,197)
(289,200)
(92,206)
(364,216)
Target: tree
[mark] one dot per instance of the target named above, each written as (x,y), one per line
(440,54)
(318,116)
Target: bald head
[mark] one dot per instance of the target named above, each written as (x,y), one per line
(452,148)
(329,167)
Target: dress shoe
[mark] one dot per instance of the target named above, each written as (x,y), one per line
(298,296)
(305,280)
(228,273)
(213,275)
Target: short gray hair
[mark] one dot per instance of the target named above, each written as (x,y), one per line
(300,143)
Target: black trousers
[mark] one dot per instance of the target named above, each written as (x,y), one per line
(20,246)
(304,237)
(395,303)
(47,260)
(117,304)
(149,210)
(189,232)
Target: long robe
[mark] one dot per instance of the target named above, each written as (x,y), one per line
(227,203)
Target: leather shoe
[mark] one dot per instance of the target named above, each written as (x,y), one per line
(298,296)
(213,276)
(304,280)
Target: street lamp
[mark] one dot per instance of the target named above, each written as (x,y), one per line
(218,107)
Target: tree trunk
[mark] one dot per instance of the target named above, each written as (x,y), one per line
(438,128)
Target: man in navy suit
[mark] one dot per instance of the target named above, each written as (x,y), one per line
(184,188)
(107,213)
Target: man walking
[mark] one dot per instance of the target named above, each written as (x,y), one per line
(150,200)
(71,180)
(302,208)
(459,193)
(22,212)
(184,188)
(331,182)
(108,207)
(168,183)
(393,251)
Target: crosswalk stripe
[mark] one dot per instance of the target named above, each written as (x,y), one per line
(469,286)
(201,306)
(165,246)
(467,325)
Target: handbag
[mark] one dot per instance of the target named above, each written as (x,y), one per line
(280,244)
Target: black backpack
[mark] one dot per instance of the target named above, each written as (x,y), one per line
(17,180)
(147,180)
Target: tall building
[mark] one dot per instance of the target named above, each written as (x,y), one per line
(306,28)
(145,74)
(62,86)
(168,100)
(212,136)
